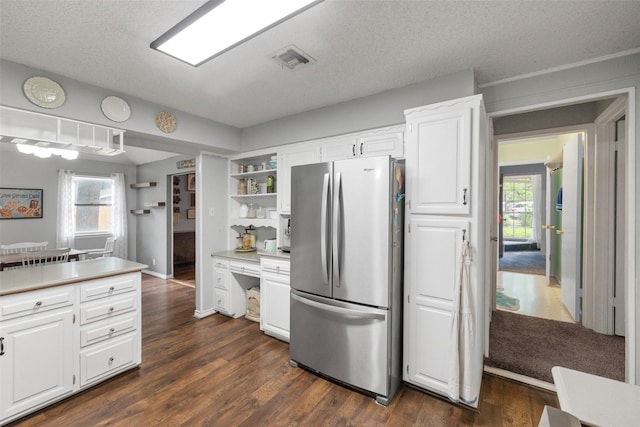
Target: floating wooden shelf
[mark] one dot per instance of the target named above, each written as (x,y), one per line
(140,211)
(155,204)
(143,184)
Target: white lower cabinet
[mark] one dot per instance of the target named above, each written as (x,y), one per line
(36,360)
(274,297)
(231,279)
(55,342)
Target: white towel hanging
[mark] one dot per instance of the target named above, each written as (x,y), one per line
(462,335)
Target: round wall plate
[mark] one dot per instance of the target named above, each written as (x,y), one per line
(44,92)
(166,122)
(115,109)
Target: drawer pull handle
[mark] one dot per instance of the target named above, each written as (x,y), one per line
(39,304)
(111,359)
(110,309)
(111,331)
(1,346)
(111,289)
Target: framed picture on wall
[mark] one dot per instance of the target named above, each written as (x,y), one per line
(20,203)
(191,213)
(191,182)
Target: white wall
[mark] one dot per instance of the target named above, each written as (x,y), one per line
(83,103)
(27,171)
(586,80)
(383,109)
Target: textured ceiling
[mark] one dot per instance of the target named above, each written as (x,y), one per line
(361,47)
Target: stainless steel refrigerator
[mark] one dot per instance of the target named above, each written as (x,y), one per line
(346,272)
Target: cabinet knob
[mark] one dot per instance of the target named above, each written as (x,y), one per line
(111,289)
(110,309)
(38,304)
(111,359)
(464,196)
(111,331)
(1,346)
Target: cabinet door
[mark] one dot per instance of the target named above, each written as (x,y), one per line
(382,143)
(339,148)
(274,305)
(292,156)
(439,161)
(431,266)
(37,364)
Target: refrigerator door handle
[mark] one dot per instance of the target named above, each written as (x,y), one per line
(336,229)
(323,229)
(339,310)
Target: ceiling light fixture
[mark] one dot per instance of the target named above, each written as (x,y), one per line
(220,25)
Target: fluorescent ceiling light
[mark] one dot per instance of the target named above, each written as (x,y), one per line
(46,152)
(220,25)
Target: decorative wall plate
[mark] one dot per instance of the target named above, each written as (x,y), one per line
(166,122)
(115,109)
(44,92)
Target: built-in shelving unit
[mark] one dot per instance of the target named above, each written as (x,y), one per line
(254,168)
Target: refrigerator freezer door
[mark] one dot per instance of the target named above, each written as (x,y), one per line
(362,233)
(311,228)
(344,341)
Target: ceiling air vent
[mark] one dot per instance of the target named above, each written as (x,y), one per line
(292,58)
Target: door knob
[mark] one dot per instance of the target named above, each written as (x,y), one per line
(559,231)
(494,239)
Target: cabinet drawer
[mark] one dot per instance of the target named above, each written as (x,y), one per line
(107,329)
(101,361)
(109,286)
(273,265)
(221,300)
(108,308)
(221,279)
(246,268)
(220,263)
(35,302)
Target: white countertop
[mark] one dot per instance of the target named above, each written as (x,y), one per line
(33,278)
(597,401)
(250,256)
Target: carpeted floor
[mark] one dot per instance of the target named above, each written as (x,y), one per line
(532,346)
(526,262)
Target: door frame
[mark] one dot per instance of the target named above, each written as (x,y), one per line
(630,247)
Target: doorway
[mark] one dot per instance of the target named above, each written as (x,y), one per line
(514,210)
(183,228)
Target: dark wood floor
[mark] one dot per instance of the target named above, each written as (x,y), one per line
(224,372)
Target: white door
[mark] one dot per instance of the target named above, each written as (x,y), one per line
(571,232)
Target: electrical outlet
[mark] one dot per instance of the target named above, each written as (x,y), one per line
(153,261)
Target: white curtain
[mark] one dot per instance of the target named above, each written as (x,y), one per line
(64,229)
(536,223)
(120,249)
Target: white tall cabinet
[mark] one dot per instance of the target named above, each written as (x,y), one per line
(445,171)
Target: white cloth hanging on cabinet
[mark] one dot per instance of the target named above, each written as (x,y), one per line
(462,337)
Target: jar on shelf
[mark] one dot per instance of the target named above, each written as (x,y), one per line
(261,212)
(243,211)
(270,184)
(252,211)
(253,186)
(242,187)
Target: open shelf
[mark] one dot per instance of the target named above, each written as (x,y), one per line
(143,184)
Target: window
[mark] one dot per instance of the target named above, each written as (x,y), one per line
(92,204)
(518,207)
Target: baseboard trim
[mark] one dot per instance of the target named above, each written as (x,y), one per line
(156,274)
(520,378)
(202,314)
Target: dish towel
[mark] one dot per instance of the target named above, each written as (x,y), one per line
(461,345)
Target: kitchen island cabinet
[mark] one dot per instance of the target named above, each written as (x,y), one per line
(66,327)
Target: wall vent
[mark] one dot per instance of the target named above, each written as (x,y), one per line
(292,58)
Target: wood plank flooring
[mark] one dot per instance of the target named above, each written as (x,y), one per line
(219,371)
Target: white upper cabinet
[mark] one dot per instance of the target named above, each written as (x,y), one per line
(378,142)
(288,156)
(439,140)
